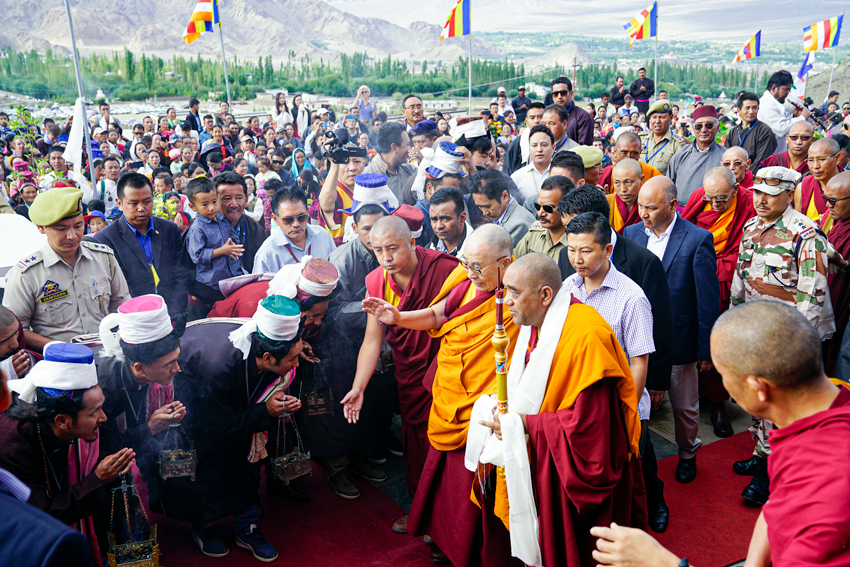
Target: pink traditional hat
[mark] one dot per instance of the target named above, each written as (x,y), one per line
(311,277)
(140,320)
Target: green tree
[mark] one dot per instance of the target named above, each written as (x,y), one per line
(129,65)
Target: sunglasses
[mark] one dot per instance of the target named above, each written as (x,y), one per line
(772,181)
(277,162)
(548,209)
(731,164)
(799,137)
(832,202)
(700,125)
(289,220)
(718,198)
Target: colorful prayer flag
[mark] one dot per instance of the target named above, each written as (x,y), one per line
(822,35)
(644,25)
(457,23)
(750,49)
(808,63)
(202,20)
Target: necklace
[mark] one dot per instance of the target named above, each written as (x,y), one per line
(133,410)
(247,389)
(47,464)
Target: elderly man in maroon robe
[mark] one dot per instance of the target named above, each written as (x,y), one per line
(722,207)
(837,227)
(409,278)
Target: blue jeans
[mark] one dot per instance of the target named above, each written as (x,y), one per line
(241,521)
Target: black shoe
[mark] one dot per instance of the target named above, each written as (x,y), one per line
(659,515)
(366,470)
(750,466)
(293,491)
(758,490)
(378,456)
(686,470)
(720,421)
(391,445)
(344,486)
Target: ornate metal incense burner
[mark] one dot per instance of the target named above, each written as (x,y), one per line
(320,402)
(294,464)
(176,461)
(134,553)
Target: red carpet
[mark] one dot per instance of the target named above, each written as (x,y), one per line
(709,522)
(326,531)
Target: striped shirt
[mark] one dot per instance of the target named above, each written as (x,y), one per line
(624,306)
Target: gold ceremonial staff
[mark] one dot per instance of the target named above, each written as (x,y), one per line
(500,342)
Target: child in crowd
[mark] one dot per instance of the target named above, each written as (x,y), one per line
(96,221)
(265,172)
(211,248)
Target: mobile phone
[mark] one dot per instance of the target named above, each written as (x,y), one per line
(136,164)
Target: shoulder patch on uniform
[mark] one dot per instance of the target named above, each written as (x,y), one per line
(751,221)
(803,226)
(31,260)
(97,246)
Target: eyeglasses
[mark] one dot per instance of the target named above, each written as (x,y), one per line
(700,125)
(799,137)
(718,198)
(819,160)
(832,202)
(277,162)
(626,154)
(476,269)
(772,181)
(731,164)
(414,107)
(548,209)
(289,220)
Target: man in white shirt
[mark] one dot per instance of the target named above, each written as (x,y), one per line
(772,110)
(293,236)
(530,178)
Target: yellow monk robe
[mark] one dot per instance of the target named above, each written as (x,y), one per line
(619,216)
(466,368)
(344,200)
(720,229)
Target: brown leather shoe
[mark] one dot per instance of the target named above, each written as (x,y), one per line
(400,525)
(438,557)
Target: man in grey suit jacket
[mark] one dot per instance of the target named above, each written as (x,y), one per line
(491,192)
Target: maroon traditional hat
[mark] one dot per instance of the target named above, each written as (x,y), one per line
(413,217)
(705,111)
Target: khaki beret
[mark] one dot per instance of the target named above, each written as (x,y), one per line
(660,106)
(55,205)
(590,155)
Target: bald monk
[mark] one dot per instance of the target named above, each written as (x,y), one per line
(837,196)
(409,278)
(571,391)
(806,522)
(737,159)
(799,138)
(627,146)
(823,163)
(626,181)
(721,207)
(463,317)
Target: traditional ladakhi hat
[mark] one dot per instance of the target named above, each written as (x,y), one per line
(468,128)
(703,111)
(414,218)
(66,367)
(371,189)
(423,127)
(56,205)
(436,163)
(277,319)
(310,277)
(140,320)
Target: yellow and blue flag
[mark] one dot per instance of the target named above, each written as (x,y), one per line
(644,25)
(457,23)
(750,49)
(202,20)
(822,35)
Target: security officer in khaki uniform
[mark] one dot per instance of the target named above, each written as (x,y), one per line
(591,157)
(68,286)
(783,257)
(659,144)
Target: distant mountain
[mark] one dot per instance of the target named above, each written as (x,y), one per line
(252,29)
(564,55)
(718,20)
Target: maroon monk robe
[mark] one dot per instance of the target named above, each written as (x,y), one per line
(573,496)
(413,352)
(747,183)
(808,517)
(605,179)
(839,292)
(783,159)
(810,189)
(242,302)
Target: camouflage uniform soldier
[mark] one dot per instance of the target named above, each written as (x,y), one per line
(783,257)
(660,143)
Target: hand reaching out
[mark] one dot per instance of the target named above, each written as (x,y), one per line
(352,402)
(384,311)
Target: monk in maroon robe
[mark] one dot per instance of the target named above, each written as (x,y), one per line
(837,227)
(799,138)
(409,278)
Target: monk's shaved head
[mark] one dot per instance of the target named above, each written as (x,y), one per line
(718,177)
(538,270)
(840,184)
(392,225)
(626,139)
(839,188)
(802,127)
(825,146)
(736,152)
(491,237)
(769,340)
(629,167)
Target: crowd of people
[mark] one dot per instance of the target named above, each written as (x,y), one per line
(248,274)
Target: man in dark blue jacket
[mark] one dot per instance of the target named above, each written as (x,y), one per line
(687,253)
(149,249)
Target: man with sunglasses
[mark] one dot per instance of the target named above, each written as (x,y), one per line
(579,121)
(548,234)
(463,317)
(823,163)
(737,160)
(722,207)
(626,146)
(690,164)
(798,141)
(836,224)
(292,235)
(752,134)
(783,257)
(772,108)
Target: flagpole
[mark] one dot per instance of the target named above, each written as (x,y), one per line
(81,95)
(470,57)
(832,71)
(656,66)
(224,61)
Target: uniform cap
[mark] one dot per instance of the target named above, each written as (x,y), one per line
(55,205)
(590,155)
(790,178)
(659,106)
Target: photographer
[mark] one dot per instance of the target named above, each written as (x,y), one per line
(338,189)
